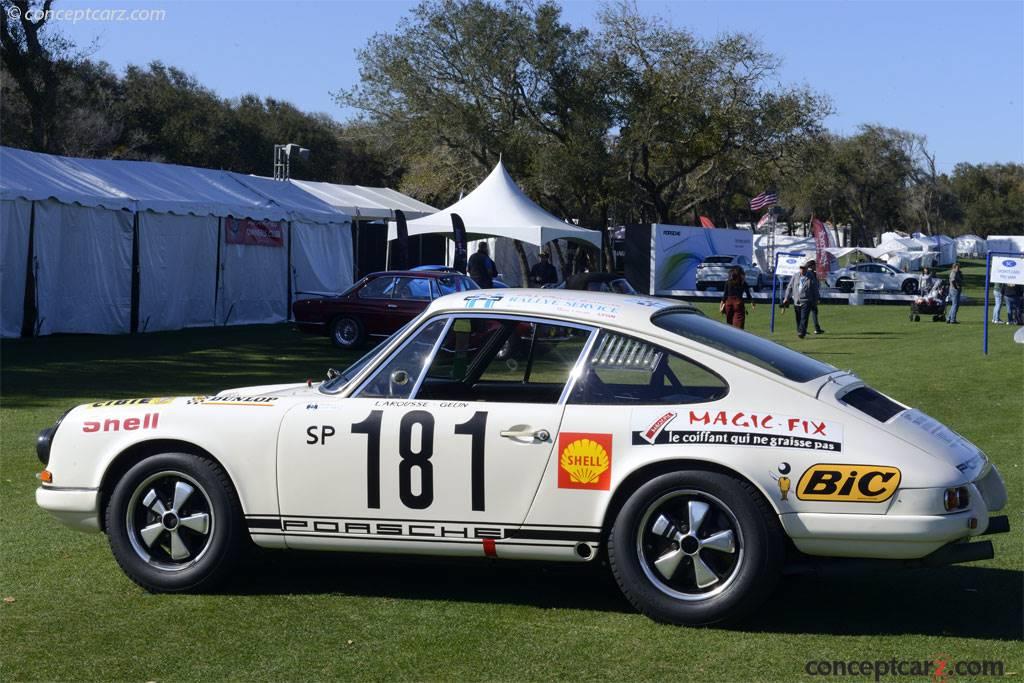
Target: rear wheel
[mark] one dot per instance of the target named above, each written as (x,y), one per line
(696,548)
(347,332)
(175,523)
(844,285)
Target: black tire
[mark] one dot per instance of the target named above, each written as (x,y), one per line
(909,287)
(150,519)
(347,332)
(844,285)
(646,527)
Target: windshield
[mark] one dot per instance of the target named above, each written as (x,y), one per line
(333,386)
(743,345)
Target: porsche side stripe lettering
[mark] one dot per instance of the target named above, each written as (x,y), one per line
(499,542)
(275,517)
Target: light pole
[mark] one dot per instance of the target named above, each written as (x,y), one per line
(283,159)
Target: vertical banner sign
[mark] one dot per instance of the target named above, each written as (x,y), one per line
(253,233)
(822,241)
(400,256)
(461,249)
(1001,268)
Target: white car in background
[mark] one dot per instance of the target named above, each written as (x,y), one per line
(713,272)
(696,458)
(875,276)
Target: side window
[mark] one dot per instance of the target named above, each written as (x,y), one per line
(398,376)
(622,369)
(449,284)
(503,361)
(413,288)
(378,288)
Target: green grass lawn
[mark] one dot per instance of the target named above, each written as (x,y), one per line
(68,613)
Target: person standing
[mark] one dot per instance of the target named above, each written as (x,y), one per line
(815,298)
(956,286)
(926,281)
(999,290)
(543,273)
(732,298)
(1014,294)
(481,266)
(799,293)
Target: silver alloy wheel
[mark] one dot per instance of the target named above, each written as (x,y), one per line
(170,521)
(346,331)
(690,545)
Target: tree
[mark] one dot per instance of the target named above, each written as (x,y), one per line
(991,196)
(33,58)
(695,115)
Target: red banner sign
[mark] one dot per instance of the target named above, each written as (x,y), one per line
(258,233)
(821,242)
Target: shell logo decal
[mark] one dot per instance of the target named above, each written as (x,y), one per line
(584,461)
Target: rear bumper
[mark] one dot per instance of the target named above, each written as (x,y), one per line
(913,528)
(77,508)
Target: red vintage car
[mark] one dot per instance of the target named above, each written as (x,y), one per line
(376,306)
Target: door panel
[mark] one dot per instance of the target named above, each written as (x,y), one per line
(383,469)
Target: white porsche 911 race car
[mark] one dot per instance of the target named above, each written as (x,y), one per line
(695,457)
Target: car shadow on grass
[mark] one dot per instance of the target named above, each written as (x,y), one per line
(959,601)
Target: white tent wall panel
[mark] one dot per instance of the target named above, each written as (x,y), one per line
(253,283)
(177,271)
(322,260)
(14,231)
(84,269)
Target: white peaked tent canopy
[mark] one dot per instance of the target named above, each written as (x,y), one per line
(499,208)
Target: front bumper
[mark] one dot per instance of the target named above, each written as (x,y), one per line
(914,526)
(77,508)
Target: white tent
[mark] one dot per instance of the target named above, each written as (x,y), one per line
(943,246)
(499,208)
(113,241)
(1013,244)
(970,246)
(366,202)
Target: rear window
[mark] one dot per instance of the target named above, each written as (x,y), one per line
(869,401)
(743,345)
(718,259)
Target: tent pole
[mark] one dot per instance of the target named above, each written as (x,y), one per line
(216,275)
(291,273)
(136,275)
(30,308)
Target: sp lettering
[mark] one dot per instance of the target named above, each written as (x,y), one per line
(317,435)
(848,483)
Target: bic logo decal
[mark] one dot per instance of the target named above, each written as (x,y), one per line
(584,461)
(848,483)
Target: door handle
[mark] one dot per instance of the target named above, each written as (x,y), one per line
(525,432)
(392,305)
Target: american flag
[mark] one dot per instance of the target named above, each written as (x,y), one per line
(762,200)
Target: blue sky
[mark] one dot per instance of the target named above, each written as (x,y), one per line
(953,71)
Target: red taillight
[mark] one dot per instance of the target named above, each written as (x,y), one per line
(963,497)
(949,500)
(957,498)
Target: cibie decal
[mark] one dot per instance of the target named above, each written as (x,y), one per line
(740,428)
(254,401)
(156,401)
(848,483)
(584,461)
(651,433)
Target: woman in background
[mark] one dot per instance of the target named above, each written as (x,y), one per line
(732,298)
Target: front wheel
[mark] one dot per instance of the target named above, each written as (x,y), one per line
(175,523)
(696,548)
(844,285)
(909,287)
(347,333)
